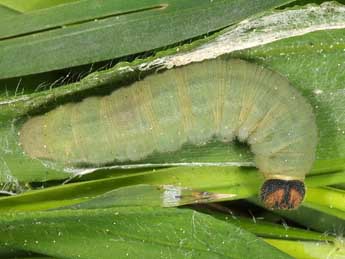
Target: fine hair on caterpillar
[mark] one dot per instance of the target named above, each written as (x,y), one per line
(220,99)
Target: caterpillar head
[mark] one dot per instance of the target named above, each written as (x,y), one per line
(282,194)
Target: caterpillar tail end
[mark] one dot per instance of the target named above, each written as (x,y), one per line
(282,194)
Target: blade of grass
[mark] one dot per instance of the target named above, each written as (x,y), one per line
(6,12)
(326,178)
(235,181)
(123,35)
(242,182)
(327,196)
(326,209)
(316,217)
(324,166)
(12,253)
(267,229)
(65,15)
(310,250)
(340,186)
(31,5)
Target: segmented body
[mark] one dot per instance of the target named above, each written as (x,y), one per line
(217,99)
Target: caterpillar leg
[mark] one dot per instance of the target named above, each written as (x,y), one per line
(282,194)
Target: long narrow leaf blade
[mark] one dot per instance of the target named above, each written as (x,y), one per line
(117,36)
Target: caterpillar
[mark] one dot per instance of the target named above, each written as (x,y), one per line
(221,99)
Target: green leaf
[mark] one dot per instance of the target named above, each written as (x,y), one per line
(238,182)
(135,232)
(188,185)
(5,12)
(142,195)
(316,217)
(12,253)
(310,250)
(137,27)
(266,229)
(327,196)
(31,5)
(59,16)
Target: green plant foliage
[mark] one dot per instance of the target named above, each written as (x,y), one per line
(130,217)
(321,220)
(117,212)
(188,183)
(138,27)
(135,232)
(5,12)
(310,250)
(32,5)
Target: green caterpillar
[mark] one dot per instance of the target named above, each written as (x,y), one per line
(216,99)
